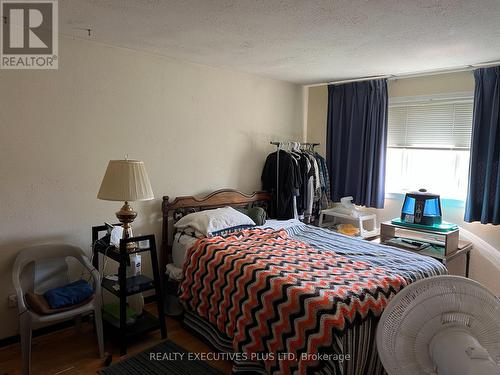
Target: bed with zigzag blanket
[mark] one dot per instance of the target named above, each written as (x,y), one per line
(298,301)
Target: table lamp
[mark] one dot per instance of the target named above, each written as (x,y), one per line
(126,181)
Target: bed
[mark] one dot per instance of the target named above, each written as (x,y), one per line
(288,298)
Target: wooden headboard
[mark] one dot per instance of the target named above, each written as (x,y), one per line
(181,206)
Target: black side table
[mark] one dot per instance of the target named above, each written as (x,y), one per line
(127,286)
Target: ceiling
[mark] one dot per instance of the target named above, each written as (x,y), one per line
(305,42)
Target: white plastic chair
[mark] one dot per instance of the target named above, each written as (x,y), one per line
(40,268)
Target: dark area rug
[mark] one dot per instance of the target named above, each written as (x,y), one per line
(165,358)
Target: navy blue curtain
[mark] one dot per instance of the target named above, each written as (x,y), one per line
(483,196)
(356,141)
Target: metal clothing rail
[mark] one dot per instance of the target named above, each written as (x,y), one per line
(300,143)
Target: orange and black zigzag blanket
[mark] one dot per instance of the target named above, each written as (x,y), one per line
(273,294)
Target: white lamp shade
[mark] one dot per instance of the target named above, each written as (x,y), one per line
(125,180)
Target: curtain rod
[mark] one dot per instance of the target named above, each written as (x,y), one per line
(300,143)
(465,68)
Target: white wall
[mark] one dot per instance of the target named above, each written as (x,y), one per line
(316,117)
(485,265)
(196,128)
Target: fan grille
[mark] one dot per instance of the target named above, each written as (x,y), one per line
(427,306)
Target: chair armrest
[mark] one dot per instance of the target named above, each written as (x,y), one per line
(95,274)
(21,304)
(16,282)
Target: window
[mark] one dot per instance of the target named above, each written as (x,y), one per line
(428,145)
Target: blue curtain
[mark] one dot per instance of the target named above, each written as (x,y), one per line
(483,196)
(356,141)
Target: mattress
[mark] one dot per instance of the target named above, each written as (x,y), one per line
(237,291)
(280,224)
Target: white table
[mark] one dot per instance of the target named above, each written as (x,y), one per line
(361,219)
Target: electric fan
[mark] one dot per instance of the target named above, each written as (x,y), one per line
(445,325)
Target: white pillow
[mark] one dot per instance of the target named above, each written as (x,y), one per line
(209,221)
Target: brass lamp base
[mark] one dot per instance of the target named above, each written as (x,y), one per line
(126,216)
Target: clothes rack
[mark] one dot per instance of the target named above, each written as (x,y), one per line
(278,147)
(300,143)
(292,146)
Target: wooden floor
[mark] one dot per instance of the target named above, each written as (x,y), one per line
(70,352)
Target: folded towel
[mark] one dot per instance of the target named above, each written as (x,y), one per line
(68,295)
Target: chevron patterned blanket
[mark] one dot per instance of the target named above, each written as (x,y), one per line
(274,294)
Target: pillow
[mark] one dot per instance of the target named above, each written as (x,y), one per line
(191,232)
(257,214)
(39,304)
(68,295)
(209,221)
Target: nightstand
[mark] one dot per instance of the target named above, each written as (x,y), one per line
(444,246)
(125,286)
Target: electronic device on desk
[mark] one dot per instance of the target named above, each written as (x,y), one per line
(423,210)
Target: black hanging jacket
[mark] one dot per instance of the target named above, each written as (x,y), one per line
(282,183)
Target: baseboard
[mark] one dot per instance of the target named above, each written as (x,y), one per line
(56,327)
(41,331)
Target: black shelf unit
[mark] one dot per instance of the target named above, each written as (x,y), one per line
(134,285)
(145,323)
(128,286)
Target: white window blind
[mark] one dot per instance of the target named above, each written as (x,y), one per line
(442,124)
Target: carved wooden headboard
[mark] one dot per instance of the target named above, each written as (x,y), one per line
(181,206)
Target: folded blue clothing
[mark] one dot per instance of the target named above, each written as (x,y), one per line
(68,295)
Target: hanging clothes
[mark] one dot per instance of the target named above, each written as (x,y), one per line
(304,167)
(299,183)
(281,177)
(325,182)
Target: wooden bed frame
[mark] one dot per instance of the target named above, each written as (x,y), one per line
(181,206)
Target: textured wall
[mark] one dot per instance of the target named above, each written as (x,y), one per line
(433,84)
(196,128)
